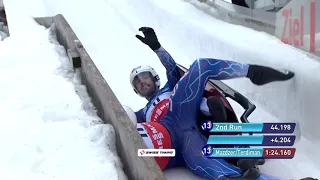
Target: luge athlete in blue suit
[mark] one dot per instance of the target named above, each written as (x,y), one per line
(146,82)
(178,128)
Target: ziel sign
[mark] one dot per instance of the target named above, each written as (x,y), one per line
(298,24)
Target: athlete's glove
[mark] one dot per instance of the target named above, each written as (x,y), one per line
(150,38)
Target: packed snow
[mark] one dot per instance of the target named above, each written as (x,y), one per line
(47,130)
(107,29)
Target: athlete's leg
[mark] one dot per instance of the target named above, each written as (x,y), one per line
(217,109)
(188,92)
(202,166)
(156,136)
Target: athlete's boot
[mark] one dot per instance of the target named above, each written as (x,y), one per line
(217,109)
(260,75)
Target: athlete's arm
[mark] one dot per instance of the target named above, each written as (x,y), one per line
(140,116)
(172,70)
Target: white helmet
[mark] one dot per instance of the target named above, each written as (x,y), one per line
(140,69)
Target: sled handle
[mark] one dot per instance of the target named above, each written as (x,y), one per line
(246,104)
(247,112)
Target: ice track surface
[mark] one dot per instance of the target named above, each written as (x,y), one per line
(107,29)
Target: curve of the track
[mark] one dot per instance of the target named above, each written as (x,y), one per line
(107,29)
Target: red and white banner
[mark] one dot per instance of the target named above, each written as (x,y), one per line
(298,24)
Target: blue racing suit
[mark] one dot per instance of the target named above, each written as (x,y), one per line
(173,77)
(178,128)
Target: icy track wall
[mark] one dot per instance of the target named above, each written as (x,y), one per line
(296,24)
(109,108)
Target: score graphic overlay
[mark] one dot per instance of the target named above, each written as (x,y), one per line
(252,140)
(232,145)
(267,153)
(267,128)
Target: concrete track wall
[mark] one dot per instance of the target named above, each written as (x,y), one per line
(109,108)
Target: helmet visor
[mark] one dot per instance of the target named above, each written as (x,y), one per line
(144,84)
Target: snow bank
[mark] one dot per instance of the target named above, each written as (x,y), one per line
(48,126)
